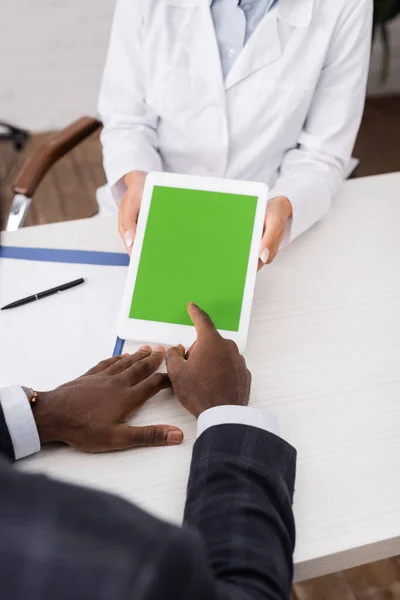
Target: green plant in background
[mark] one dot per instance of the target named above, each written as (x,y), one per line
(385,11)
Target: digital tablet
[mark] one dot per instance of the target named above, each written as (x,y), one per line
(197,240)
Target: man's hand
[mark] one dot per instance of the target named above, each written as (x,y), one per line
(130,206)
(279,211)
(212,373)
(89,413)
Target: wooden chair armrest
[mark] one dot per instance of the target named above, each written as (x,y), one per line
(49,152)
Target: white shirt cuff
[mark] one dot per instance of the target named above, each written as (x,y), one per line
(240,415)
(20,421)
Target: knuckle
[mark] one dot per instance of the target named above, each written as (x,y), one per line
(151,436)
(140,355)
(176,373)
(113,440)
(207,319)
(175,379)
(145,367)
(172,356)
(231,345)
(172,369)
(140,370)
(112,361)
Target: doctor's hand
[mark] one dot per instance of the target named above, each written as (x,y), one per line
(212,373)
(130,206)
(279,211)
(90,413)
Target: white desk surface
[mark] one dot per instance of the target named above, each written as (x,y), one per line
(324,349)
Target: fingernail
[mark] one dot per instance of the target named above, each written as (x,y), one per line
(126,354)
(159,349)
(264,255)
(174,436)
(128,239)
(145,348)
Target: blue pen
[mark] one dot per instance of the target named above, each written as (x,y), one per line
(119,346)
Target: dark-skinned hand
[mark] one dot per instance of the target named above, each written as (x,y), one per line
(212,373)
(89,413)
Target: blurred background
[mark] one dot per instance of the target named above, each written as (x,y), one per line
(51,58)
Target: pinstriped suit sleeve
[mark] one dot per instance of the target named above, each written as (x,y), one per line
(236,543)
(6,447)
(239,499)
(238,536)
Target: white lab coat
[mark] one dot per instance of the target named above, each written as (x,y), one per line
(287,114)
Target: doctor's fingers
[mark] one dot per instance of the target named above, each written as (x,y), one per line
(273,234)
(127,232)
(127,217)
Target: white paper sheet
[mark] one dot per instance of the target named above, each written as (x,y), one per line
(53,340)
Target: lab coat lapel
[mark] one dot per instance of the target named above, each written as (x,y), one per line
(264,46)
(200,40)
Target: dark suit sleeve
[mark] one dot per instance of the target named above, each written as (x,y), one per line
(6,446)
(61,541)
(238,538)
(240,499)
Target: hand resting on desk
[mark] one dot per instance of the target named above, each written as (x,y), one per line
(89,413)
(238,537)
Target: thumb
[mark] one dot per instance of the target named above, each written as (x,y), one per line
(128,216)
(279,211)
(274,230)
(129,236)
(268,240)
(151,435)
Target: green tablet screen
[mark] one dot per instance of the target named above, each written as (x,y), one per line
(196,248)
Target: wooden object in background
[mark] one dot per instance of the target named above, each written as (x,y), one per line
(52,149)
(68,191)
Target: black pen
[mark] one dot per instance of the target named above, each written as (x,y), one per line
(55,290)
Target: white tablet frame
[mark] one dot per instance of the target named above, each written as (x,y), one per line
(168,333)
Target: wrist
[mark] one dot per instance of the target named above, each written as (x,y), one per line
(215,408)
(44,418)
(286,207)
(282,206)
(134,178)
